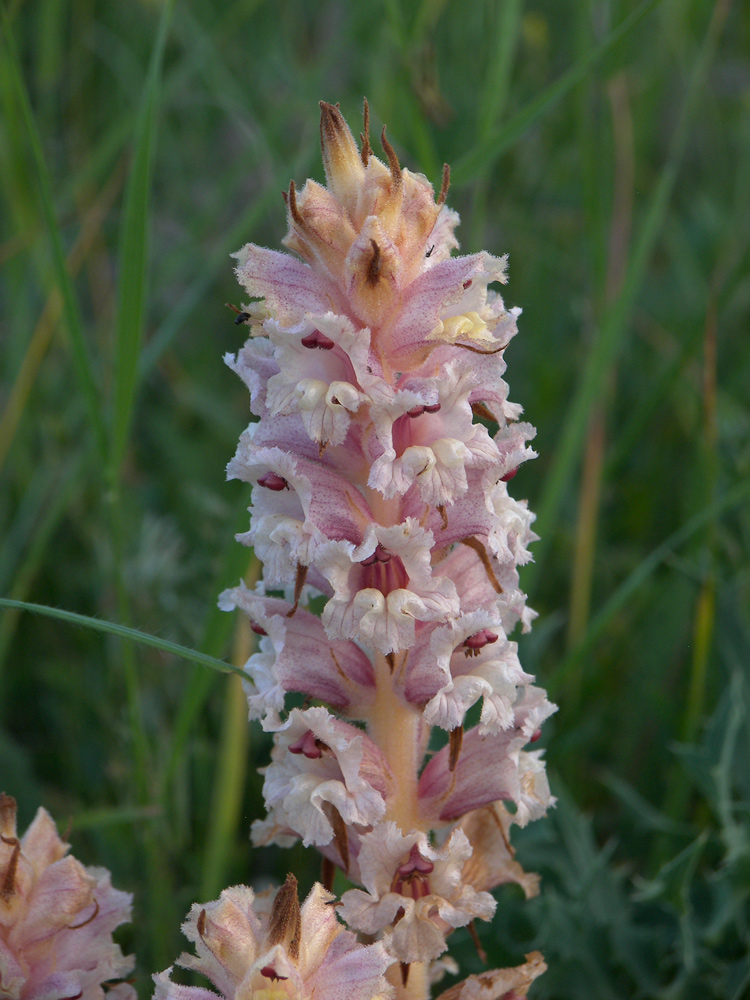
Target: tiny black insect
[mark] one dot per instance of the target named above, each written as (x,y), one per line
(430,250)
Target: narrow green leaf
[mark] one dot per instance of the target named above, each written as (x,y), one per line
(638,577)
(484,154)
(615,320)
(124,632)
(71,312)
(131,299)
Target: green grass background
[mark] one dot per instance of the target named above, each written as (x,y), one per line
(606,146)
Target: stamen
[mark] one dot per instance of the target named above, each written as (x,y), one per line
(455,742)
(443,516)
(273,482)
(480,410)
(381,555)
(94,915)
(373,271)
(415,411)
(392,159)
(327,875)
(340,833)
(258,629)
(482,954)
(8,887)
(285,925)
(201,923)
(319,340)
(508,475)
(299,583)
(292,203)
(478,350)
(365,134)
(481,551)
(309,745)
(270,973)
(445,185)
(478,641)
(432,408)
(535,736)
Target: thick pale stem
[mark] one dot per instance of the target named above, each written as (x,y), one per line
(397,728)
(417,982)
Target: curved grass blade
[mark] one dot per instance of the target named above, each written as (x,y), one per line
(124,632)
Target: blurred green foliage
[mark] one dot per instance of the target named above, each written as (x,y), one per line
(606,146)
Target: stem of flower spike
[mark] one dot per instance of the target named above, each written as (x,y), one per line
(417,985)
(398,729)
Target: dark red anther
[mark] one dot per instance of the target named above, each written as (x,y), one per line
(273,482)
(381,555)
(432,408)
(319,340)
(411,878)
(535,735)
(415,865)
(308,745)
(258,629)
(270,973)
(480,639)
(467,284)
(415,411)
(508,475)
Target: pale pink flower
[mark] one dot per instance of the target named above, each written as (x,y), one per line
(499,984)
(415,892)
(324,771)
(56,918)
(285,952)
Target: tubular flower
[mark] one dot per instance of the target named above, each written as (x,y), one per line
(56,918)
(285,952)
(382,453)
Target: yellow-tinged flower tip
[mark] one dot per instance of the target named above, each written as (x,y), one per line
(369,228)
(345,170)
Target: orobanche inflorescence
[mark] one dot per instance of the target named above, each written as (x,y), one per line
(380,453)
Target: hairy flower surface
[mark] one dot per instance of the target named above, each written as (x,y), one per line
(56,918)
(250,951)
(382,454)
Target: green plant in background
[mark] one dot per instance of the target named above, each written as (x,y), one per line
(606,147)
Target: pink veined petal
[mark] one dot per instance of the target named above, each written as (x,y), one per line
(289,287)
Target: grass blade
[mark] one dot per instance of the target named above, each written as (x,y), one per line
(125,632)
(614,324)
(134,251)
(81,360)
(486,151)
